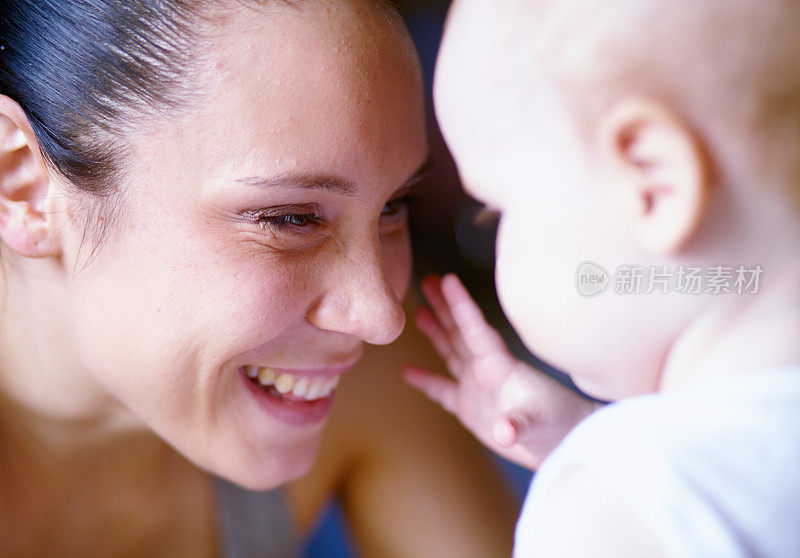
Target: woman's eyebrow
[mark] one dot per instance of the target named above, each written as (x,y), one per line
(328,183)
(325,182)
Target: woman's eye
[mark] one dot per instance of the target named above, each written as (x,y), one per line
(296,220)
(276,220)
(397,205)
(285,221)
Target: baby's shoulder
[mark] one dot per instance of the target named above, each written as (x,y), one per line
(729,417)
(718,462)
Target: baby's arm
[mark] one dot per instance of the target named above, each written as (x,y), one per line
(514,409)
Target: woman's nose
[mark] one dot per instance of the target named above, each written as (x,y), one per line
(359,300)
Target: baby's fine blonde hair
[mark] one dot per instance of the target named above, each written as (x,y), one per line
(734,61)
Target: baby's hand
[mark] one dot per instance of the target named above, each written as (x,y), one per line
(517,411)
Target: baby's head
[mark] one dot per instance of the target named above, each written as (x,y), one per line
(631,132)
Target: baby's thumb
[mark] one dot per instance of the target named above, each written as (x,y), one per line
(510,427)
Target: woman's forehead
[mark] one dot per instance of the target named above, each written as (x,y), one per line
(302,90)
(308,30)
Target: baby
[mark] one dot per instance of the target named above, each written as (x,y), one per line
(645,158)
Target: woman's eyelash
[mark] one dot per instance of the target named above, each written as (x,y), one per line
(285,218)
(301,217)
(297,220)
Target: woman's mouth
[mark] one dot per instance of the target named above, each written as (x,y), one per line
(290,386)
(296,398)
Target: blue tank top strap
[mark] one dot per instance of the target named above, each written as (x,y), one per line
(254,524)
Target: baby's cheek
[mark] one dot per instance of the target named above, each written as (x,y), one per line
(532,286)
(518,269)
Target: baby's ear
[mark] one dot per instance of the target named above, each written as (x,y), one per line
(27,221)
(659,171)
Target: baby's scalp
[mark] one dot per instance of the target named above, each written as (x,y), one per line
(727,66)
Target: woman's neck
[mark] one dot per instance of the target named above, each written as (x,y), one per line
(66,489)
(50,405)
(82,475)
(41,368)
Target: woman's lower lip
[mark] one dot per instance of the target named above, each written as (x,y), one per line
(292,413)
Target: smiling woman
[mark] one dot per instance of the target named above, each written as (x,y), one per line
(207,286)
(203,219)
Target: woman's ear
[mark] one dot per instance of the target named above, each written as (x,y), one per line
(658,171)
(27,220)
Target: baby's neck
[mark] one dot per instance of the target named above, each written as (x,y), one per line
(744,333)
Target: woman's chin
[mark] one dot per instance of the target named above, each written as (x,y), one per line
(282,466)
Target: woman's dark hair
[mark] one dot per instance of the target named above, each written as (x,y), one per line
(86,72)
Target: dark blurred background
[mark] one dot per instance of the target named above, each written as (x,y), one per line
(446,238)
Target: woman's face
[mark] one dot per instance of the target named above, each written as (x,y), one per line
(265,227)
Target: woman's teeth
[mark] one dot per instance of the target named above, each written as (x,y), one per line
(285,383)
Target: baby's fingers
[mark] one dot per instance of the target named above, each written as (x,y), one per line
(429,325)
(478,335)
(509,428)
(432,288)
(436,387)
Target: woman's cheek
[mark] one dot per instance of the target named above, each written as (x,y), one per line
(271,293)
